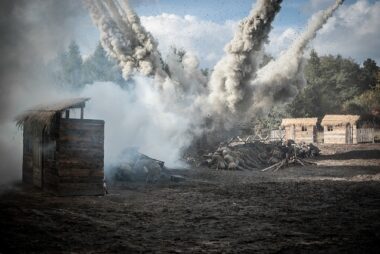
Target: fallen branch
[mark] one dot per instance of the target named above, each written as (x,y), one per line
(273,166)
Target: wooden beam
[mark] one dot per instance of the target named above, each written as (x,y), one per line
(81,113)
(67,114)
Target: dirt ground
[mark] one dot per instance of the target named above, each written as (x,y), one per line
(330,208)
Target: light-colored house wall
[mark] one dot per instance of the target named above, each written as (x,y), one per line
(338,135)
(289,133)
(298,135)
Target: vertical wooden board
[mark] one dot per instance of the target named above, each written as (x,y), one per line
(277,135)
(336,136)
(354,134)
(27,169)
(37,163)
(365,135)
(27,162)
(288,133)
(292,132)
(304,136)
(320,137)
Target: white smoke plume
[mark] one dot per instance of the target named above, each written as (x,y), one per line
(229,81)
(189,81)
(125,39)
(26,46)
(237,85)
(137,118)
(159,121)
(281,79)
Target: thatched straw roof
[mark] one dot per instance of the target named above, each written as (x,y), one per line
(339,119)
(42,115)
(299,121)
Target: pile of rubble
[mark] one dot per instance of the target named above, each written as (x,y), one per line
(135,166)
(239,154)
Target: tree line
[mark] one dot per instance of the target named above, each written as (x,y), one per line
(73,72)
(335,85)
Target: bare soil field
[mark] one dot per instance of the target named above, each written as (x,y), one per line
(333,207)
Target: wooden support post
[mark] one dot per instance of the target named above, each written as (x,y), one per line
(81,113)
(67,114)
(373,135)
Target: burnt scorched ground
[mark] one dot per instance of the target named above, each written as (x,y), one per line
(295,210)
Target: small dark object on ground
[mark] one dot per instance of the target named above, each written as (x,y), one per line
(135,166)
(177,178)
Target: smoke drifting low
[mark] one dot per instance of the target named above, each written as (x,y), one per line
(168,104)
(137,118)
(32,32)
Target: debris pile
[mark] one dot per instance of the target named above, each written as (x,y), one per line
(239,154)
(136,166)
(295,155)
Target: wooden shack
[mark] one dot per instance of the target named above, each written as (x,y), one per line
(63,153)
(300,129)
(340,129)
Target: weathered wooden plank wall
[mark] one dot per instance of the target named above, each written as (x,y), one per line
(298,135)
(27,160)
(307,136)
(376,135)
(27,169)
(80,157)
(289,132)
(336,136)
(320,137)
(365,135)
(50,176)
(277,135)
(339,135)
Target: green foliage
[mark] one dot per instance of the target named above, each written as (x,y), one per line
(333,86)
(369,74)
(364,102)
(99,67)
(263,124)
(205,72)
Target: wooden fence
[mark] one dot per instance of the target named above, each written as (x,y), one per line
(365,135)
(277,135)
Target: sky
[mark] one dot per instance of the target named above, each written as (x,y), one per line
(203,27)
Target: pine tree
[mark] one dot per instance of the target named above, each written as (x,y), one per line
(99,67)
(369,74)
(331,81)
(71,64)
